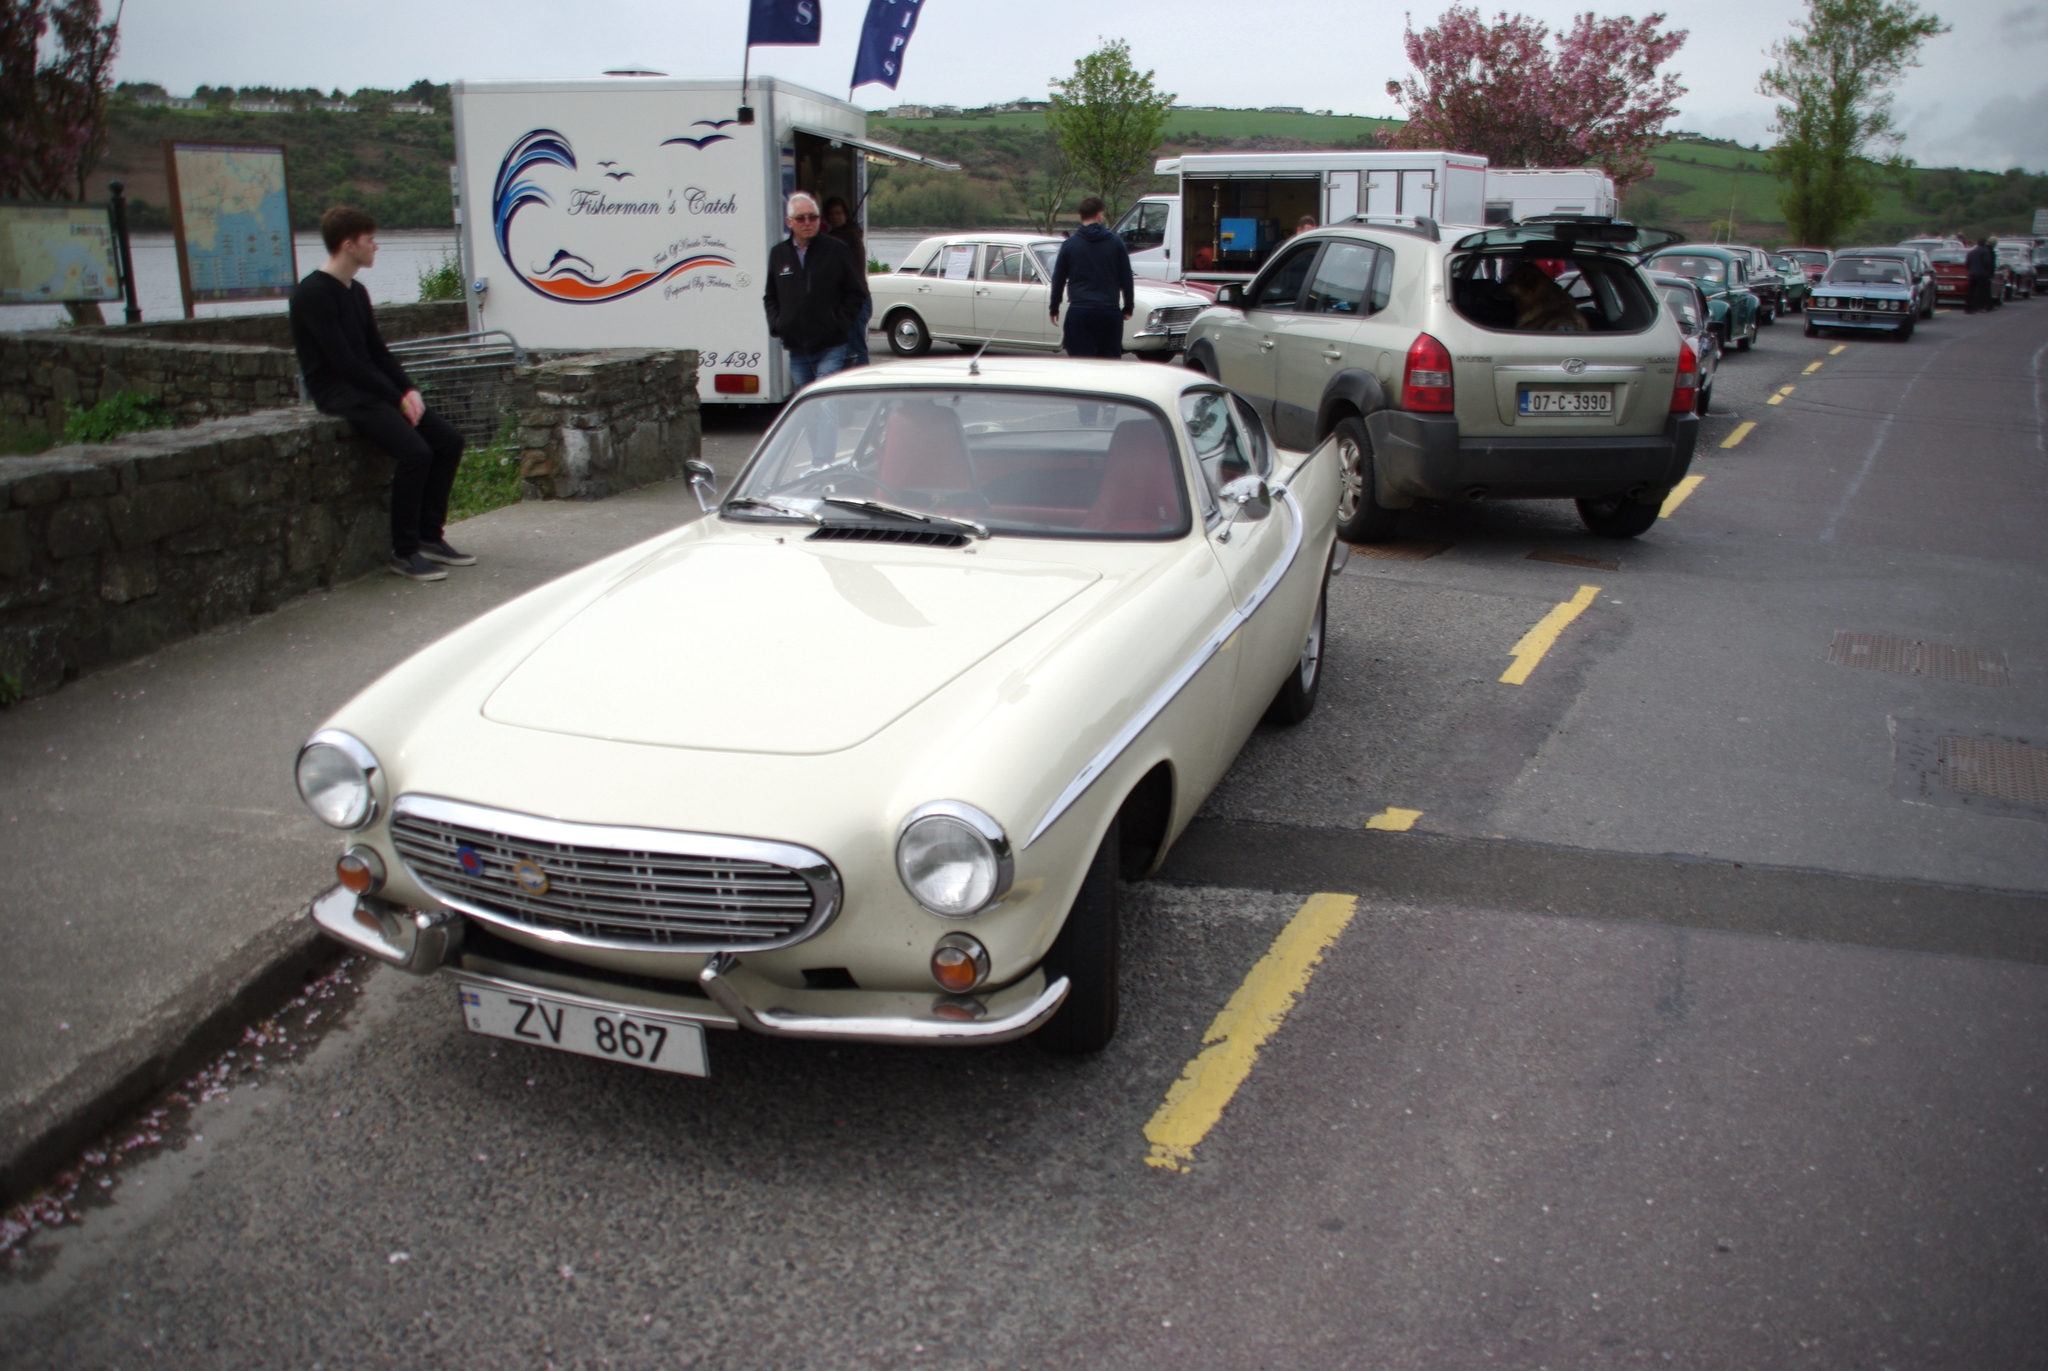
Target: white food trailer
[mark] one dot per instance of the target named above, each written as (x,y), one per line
(638,211)
(1235,208)
(1525,192)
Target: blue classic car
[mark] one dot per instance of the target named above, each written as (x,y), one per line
(1722,275)
(1863,293)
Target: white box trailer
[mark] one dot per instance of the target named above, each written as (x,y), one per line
(1516,193)
(1235,208)
(635,212)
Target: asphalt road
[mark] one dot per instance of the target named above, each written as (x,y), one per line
(1692,1020)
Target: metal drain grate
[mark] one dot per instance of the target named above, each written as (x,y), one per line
(1399,552)
(1573,559)
(1910,657)
(1995,769)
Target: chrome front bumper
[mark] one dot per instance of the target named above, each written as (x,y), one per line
(423,942)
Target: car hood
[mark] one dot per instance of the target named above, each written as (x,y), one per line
(753,645)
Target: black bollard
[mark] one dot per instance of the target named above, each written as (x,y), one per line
(133,311)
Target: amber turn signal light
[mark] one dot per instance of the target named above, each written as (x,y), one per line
(959,963)
(360,870)
(729,383)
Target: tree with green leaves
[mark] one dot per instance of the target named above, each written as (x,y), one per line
(1833,82)
(1108,118)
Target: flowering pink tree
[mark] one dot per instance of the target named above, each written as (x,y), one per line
(1502,90)
(53,99)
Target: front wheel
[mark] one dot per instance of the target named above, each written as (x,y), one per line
(1296,699)
(1812,330)
(1767,315)
(1086,954)
(1748,340)
(1903,331)
(1617,516)
(1199,358)
(908,337)
(1361,518)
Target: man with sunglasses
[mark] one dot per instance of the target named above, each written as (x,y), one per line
(815,290)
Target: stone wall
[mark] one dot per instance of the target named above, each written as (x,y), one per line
(595,424)
(203,368)
(108,552)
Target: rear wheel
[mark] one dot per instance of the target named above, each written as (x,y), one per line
(1296,699)
(1201,359)
(908,337)
(1086,954)
(1361,518)
(1617,516)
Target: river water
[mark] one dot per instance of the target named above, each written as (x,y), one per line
(402,256)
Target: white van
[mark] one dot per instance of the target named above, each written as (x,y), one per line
(633,212)
(1235,208)
(1518,193)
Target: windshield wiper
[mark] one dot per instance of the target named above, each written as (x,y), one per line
(780,506)
(878,507)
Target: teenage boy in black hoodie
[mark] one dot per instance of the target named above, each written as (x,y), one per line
(1094,270)
(351,373)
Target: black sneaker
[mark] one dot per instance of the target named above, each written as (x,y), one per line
(439,551)
(415,568)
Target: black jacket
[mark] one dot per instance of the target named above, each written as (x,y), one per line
(1981,261)
(812,303)
(1093,270)
(341,354)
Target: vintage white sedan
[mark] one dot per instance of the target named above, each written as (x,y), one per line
(995,288)
(863,754)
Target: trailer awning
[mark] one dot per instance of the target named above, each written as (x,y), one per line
(874,149)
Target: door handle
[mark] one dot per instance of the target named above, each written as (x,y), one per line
(1266,344)
(981,290)
(1333,354)
(924,290)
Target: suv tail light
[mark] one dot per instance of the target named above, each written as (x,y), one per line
(1686,393)
(1426,385)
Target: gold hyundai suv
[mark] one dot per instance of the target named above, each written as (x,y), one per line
(1511,363)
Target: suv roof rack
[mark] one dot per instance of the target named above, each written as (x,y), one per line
(1422,226)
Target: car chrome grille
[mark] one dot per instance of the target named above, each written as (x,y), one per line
(1177,319)
(634,893)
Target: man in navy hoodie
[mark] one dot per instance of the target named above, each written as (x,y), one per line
(1094,271)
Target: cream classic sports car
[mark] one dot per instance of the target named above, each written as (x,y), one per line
(995,288)
(863,755)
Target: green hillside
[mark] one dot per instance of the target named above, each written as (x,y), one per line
(395,165)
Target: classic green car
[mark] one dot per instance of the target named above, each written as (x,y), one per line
(1798,289)
(1723,277)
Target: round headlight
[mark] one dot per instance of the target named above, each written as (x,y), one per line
(953,859)
(334,780)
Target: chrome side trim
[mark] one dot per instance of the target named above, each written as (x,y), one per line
(931,1032)
(1153,707)
(816,870)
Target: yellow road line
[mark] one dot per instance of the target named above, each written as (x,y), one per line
(1812,367)
(1779,398)
(1691,483)
(1392,820)
(1838,349)
(1196,1101)
(1543,637)
(1741,431)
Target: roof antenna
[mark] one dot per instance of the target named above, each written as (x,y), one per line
(974,362)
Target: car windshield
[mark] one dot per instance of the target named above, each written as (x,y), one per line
(1684,306)
(1867,271)
(1698,268)
(1808,258)
(1044,464)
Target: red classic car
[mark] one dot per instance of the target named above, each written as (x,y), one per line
(1812,261)
(1952,276)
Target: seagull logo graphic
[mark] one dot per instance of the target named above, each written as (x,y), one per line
(699,143)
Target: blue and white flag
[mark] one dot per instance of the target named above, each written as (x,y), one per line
(882,40)
(782,23)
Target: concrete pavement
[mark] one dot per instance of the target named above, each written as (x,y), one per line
(158,855)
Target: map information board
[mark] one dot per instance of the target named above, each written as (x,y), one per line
(54,253)
(232,221)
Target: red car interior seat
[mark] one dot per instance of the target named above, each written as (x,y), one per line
(1139,494)
(924,449)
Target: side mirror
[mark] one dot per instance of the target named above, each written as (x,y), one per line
(1247,496)
(1230,295)
(702,480)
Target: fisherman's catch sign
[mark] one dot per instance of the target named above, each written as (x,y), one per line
(592,224)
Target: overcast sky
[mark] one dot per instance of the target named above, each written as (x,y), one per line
(1980,98)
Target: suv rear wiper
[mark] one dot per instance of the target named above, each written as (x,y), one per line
(878,507)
